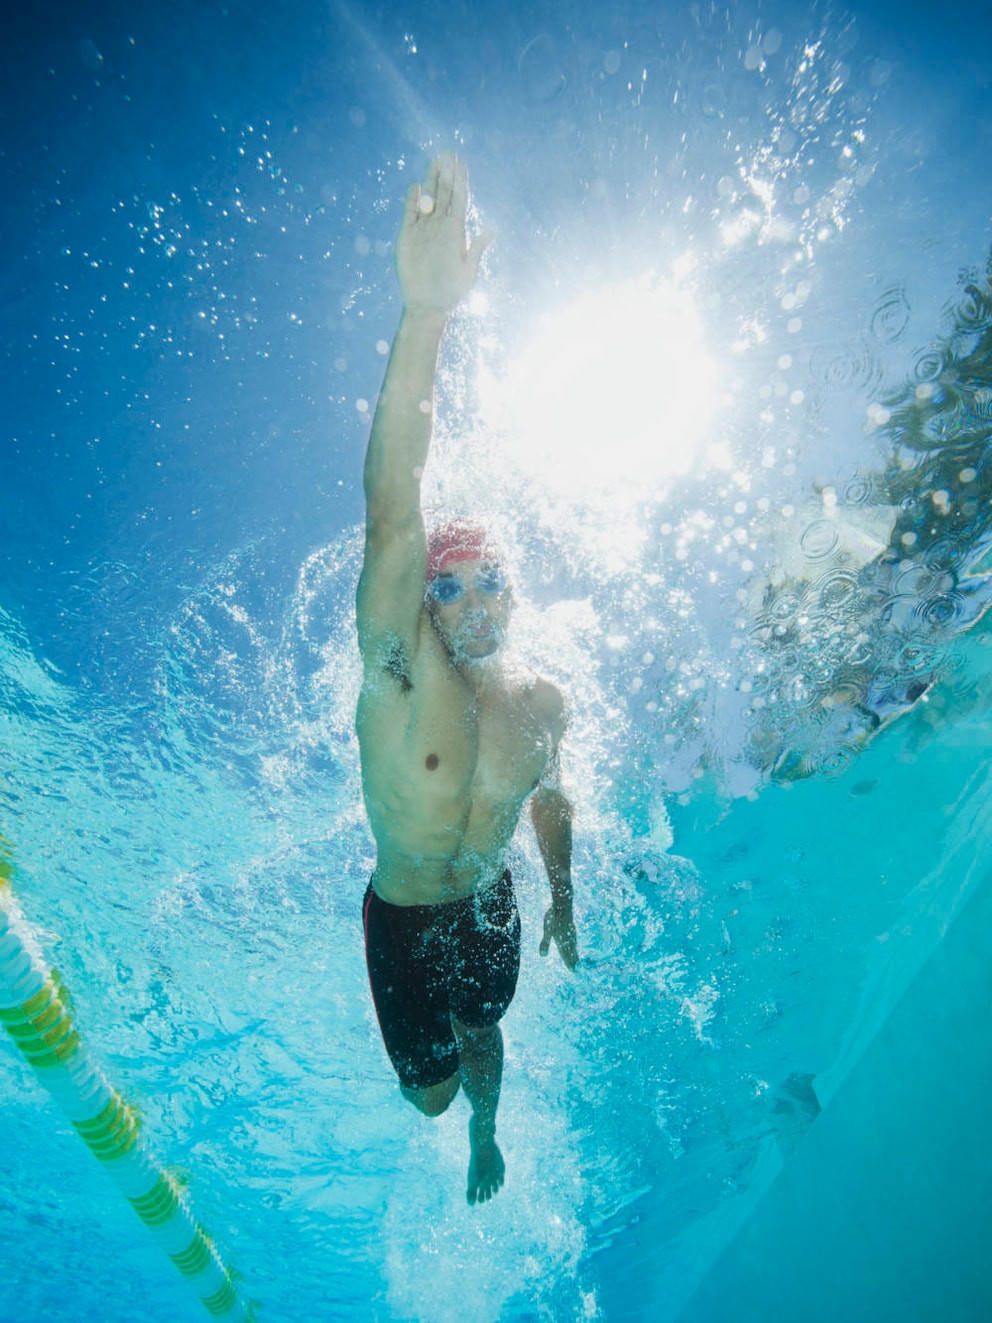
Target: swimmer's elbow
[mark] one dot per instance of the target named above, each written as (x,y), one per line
(550,803)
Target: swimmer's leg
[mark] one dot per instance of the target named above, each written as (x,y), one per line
(480,1062)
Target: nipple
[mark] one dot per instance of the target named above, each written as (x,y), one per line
(431,762)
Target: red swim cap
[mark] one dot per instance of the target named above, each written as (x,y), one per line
(451,543)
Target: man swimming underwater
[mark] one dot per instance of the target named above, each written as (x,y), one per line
(453,740)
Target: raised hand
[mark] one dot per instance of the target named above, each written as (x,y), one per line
(436,267)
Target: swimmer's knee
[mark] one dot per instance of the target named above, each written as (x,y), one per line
(435,1098)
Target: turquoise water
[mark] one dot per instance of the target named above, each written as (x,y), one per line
(216,973)
(195,311)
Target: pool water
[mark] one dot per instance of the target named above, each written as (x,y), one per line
(777,895)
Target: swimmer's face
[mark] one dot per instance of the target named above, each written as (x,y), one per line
(470,607)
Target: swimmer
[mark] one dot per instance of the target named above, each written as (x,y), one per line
(453,738)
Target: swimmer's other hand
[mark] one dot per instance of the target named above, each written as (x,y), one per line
(559,927)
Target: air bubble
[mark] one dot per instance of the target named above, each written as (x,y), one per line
(847,368)
(540,73)
(859,491)
(890,318)
(799,692)
(916,659)
(819,539)
(942,612)
(974,312)
(836,591)
(929,365)
(881,72)
(713,101)
(922,580)
(835,762)
(785,606)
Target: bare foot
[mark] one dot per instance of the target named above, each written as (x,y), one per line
(486,1167)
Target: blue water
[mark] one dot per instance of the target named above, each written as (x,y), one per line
(197,216)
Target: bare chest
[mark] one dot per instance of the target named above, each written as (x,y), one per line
(444,743)
(511,750)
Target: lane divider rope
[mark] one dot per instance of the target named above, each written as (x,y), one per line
(36,1011)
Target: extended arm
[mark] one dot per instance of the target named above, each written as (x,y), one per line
(436,270)
(551,814)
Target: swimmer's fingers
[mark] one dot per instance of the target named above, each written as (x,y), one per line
(422,199)
(452,182)
(549,921)
(568,946)
(458,199)
(442,197)
(459,210)
(560,929)
(431,182)
(411,207)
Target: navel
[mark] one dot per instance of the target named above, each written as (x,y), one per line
(431,762)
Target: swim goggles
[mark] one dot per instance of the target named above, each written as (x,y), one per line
(490,580)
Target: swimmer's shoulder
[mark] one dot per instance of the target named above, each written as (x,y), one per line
(548,704)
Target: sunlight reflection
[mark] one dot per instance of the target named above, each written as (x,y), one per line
(614,392)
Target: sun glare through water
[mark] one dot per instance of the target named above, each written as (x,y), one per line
(613,393)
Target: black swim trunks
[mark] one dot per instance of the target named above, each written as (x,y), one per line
(429,962)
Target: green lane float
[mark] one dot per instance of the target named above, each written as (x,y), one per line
(36,1012)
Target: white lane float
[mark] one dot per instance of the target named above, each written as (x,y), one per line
(36,1012)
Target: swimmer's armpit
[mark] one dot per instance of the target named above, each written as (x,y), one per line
(396,663)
